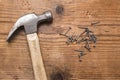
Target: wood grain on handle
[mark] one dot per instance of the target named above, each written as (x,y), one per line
(37,62)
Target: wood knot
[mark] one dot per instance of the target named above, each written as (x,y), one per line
(58,76)
(59,9)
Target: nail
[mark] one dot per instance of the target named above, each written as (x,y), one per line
(87,46)
(94,45)
(81,52)
(80,56)
(67,42)
(78,50)
(70,39)
(94,40)
(80,36)
(68,30)
(63,35)
(80,40)
(88,31)
(74,38)
(82,28)
(94,23)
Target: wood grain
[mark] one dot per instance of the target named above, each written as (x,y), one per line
(61,61)
(36,56)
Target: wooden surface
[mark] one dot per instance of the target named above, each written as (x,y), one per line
(61,61)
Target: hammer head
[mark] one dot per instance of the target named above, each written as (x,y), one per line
(30,22)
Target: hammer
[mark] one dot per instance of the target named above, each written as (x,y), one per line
(30,23)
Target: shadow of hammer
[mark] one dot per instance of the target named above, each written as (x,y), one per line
(30,22)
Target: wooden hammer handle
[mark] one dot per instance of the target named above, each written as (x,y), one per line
(37,61)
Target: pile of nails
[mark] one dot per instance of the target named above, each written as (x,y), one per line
(87,37)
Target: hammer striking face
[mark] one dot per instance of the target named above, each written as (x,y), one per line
(30,22)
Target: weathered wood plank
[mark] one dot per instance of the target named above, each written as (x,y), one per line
(60,59)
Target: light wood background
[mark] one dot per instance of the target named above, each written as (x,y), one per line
(61,61)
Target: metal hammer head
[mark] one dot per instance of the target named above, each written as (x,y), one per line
(30,22)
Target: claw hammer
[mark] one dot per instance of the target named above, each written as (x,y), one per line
(30,22)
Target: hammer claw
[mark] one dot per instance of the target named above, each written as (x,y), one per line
(14,28)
